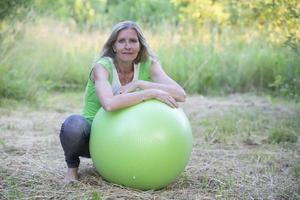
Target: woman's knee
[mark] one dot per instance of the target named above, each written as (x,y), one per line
(75,127)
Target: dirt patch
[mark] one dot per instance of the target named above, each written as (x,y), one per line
(32,162)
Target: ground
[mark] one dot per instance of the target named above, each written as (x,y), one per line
(233,157)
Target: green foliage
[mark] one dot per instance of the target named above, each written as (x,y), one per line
(286,87)
(83,12)
(202,12)
(278,19)
(100,13)
(13,8)
(148,12)
(225,53)
(79,11)
(11,11)
(61,9)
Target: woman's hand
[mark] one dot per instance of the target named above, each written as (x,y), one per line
(164,97)
(130,87)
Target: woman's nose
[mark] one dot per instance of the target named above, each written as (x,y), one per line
(127,45)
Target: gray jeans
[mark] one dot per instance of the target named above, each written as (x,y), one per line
(74,138)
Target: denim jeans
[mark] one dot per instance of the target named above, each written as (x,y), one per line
(74,138)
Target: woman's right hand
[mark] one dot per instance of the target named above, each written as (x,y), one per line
(130,87)
(164,97)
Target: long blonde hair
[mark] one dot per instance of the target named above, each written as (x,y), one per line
(145,52)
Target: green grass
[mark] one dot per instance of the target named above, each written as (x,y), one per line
(250,124)
(49,55)
(11,184)
(235,67)
(43,61)
(94,195)
(295,170)
(282,135)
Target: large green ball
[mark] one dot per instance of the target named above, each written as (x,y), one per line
(145,146)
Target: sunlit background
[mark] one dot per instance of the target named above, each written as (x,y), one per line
(211,47)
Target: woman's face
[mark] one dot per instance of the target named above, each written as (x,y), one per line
(127,45)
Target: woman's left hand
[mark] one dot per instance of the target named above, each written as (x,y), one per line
(130,87)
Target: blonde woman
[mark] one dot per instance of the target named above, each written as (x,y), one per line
(125,73)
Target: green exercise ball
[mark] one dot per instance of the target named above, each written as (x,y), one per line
(145,146)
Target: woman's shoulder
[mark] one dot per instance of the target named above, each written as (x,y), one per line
(104,61)
(106,64)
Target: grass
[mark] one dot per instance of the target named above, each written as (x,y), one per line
(248,124)
(13,191)
(283,135)
(295,170)
(223,166)
(58,58)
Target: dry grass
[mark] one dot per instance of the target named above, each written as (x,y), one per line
(32,162)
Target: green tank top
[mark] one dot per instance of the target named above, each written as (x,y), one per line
(91,103)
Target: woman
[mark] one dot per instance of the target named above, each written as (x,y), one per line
(126,73)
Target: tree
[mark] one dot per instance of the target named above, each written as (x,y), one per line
(279,19)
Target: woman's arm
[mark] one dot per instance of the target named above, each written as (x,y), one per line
(112,102)
(161,81)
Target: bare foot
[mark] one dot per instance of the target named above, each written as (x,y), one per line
(71,175)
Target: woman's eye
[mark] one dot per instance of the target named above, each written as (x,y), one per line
(134,40)
(123,40)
